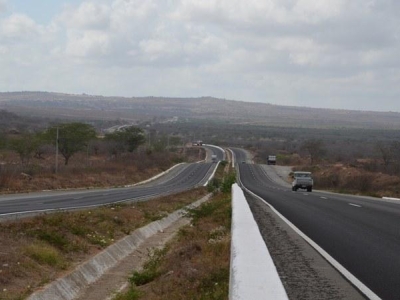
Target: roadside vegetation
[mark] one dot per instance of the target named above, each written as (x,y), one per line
(35,251)
(362,159)
(195,264)
(81,158)
(346,164)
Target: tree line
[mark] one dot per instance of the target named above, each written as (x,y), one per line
(70,138)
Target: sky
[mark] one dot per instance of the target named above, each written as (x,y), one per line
(341,54)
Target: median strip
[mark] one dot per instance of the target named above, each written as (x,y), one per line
(253,273)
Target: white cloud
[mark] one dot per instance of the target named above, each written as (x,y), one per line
(316,11)
(88,43)
(3,6)
(89,15)
(18,26)
(280,51)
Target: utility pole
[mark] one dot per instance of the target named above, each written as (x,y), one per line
(57,152)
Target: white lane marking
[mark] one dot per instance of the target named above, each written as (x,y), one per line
(356,205)
(324,198)
(354,280)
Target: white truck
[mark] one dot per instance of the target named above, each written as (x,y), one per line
(302,180)
(271,160)
(214,158)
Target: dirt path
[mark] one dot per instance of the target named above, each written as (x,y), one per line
(116,278)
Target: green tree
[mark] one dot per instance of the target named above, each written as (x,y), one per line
(72,138)
(25,145)
(126,139)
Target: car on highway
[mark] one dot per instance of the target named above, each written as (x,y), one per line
(302,180)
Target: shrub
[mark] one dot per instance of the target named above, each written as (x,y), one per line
(150,269)
(54,238)
(227,182)
(131,294)
(213,185)
(45,254)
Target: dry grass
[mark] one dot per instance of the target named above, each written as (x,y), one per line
(195,265)
(37,250)
(354,180)
(87,172)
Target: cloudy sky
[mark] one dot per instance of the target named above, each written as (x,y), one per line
(326,53)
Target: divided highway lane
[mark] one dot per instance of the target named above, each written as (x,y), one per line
(189,176)
(219,152)
(362,234)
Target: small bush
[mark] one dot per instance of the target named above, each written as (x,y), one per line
(131,294)
(150,269)
(54,238)
(213,185)
(205,210)
(227,182)
(45,254)
(223,163)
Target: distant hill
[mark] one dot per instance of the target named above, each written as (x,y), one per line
(58,105)
(13,123)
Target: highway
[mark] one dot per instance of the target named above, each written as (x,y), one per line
(183,177)
(361,233)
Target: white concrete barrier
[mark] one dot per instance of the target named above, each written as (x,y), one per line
(253,274)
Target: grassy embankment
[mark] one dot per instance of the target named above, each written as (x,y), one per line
(35,251)
(38,250)
(195,264)
(95,171)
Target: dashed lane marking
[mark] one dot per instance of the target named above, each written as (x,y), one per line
(356,205)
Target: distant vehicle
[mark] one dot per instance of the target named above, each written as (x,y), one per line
(271,160)
(214,158)
(302,180)
(243,161)
(197,143)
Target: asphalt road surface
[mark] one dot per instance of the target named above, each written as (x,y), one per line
(186,176)
(361,233)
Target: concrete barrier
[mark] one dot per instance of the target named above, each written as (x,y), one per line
(252,272)
(69,286)
(390,198)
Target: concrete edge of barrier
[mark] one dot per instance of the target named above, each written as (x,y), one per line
(253,274)
(390,198)
(69,286)
(154,177)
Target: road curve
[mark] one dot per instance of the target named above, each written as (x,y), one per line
(188,176)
